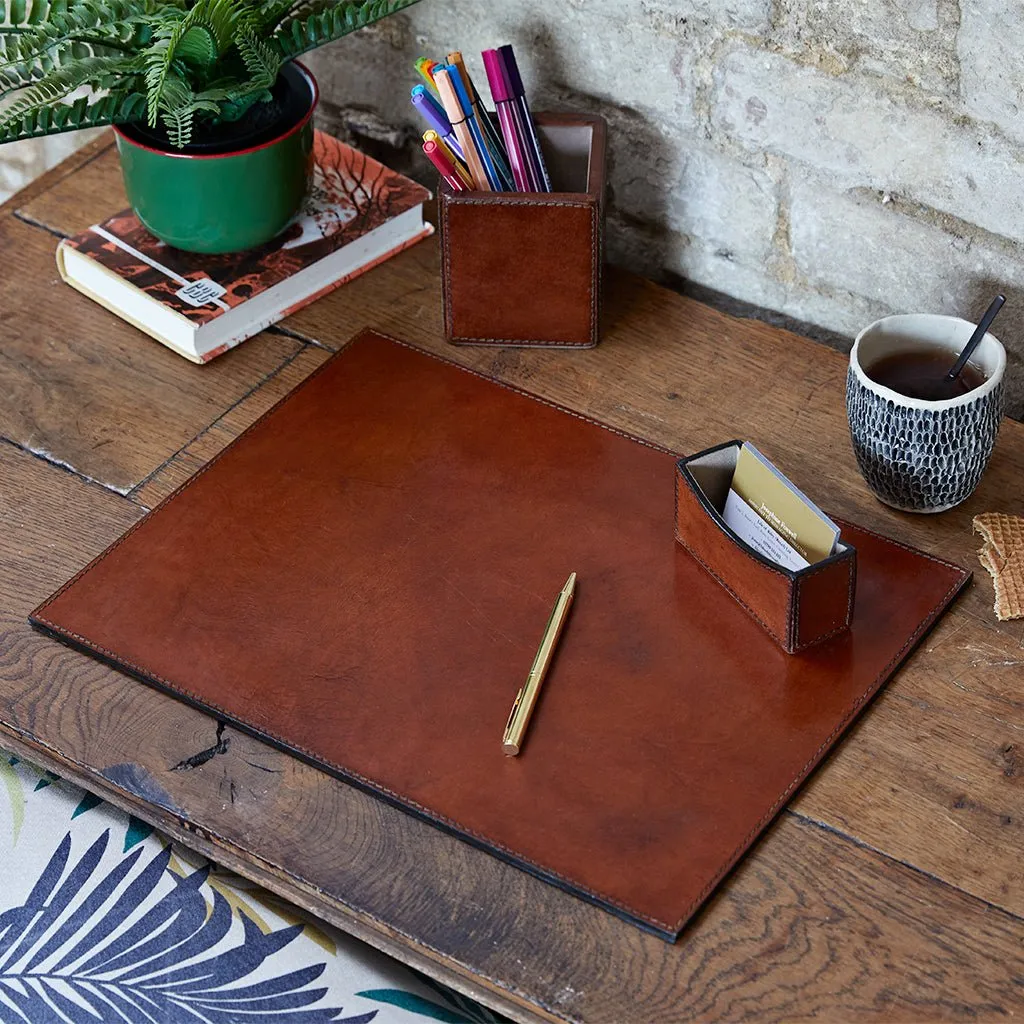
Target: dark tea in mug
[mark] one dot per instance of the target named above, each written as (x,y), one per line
(923,374)
(921,446)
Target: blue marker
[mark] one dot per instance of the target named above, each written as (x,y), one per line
(485,154)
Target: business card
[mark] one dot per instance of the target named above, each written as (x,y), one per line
(800,533)
(750,527)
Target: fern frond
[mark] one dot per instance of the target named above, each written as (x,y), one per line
(20,13)
(159,61)
(82,113)
(234,99)
(86,17)
(186,58)
(198,46)
(272,11)
(214,19)
(178,107)
(261,60)
(219,17)
(329,21)
(16,75)
(61,82)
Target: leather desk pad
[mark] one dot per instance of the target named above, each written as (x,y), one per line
(363,577)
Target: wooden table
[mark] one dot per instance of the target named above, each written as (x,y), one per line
(891,888)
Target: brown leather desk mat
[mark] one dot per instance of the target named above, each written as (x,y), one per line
(363,577)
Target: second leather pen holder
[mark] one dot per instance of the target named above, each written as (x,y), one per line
(797,608)
(524,268)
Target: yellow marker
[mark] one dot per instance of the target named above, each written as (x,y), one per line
(519,717)
(431,136)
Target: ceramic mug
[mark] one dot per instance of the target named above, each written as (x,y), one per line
(916,455)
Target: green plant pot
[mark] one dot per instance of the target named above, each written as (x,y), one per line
(224,202)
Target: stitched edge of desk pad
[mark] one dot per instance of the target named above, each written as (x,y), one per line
(661,928)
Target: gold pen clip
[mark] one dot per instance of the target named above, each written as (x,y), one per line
(512,714)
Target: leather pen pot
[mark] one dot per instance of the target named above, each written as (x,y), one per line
(216,199)
(797,608)
(524,268)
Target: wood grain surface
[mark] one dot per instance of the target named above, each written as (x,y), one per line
(73,202)
(66,168)
(891,889)
(82,389)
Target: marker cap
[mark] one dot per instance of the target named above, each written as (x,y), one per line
(515,81)
(495,68)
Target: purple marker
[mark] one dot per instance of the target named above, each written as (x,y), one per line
(435,116)
(515,82)
(516,144)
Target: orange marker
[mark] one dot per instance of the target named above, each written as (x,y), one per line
(425,66)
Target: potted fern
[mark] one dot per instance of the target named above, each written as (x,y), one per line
(213,114)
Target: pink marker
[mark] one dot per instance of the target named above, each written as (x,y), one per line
(504,103)
(444,166)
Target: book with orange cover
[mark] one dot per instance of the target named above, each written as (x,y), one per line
(358,213)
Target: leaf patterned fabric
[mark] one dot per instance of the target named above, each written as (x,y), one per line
(103,919)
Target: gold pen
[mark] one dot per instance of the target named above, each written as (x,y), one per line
(526,698)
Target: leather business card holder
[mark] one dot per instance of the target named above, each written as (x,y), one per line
(362,579)
(524,268)
(796,608)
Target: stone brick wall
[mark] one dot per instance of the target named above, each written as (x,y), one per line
(816,162)
(20,162)
(825,161)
